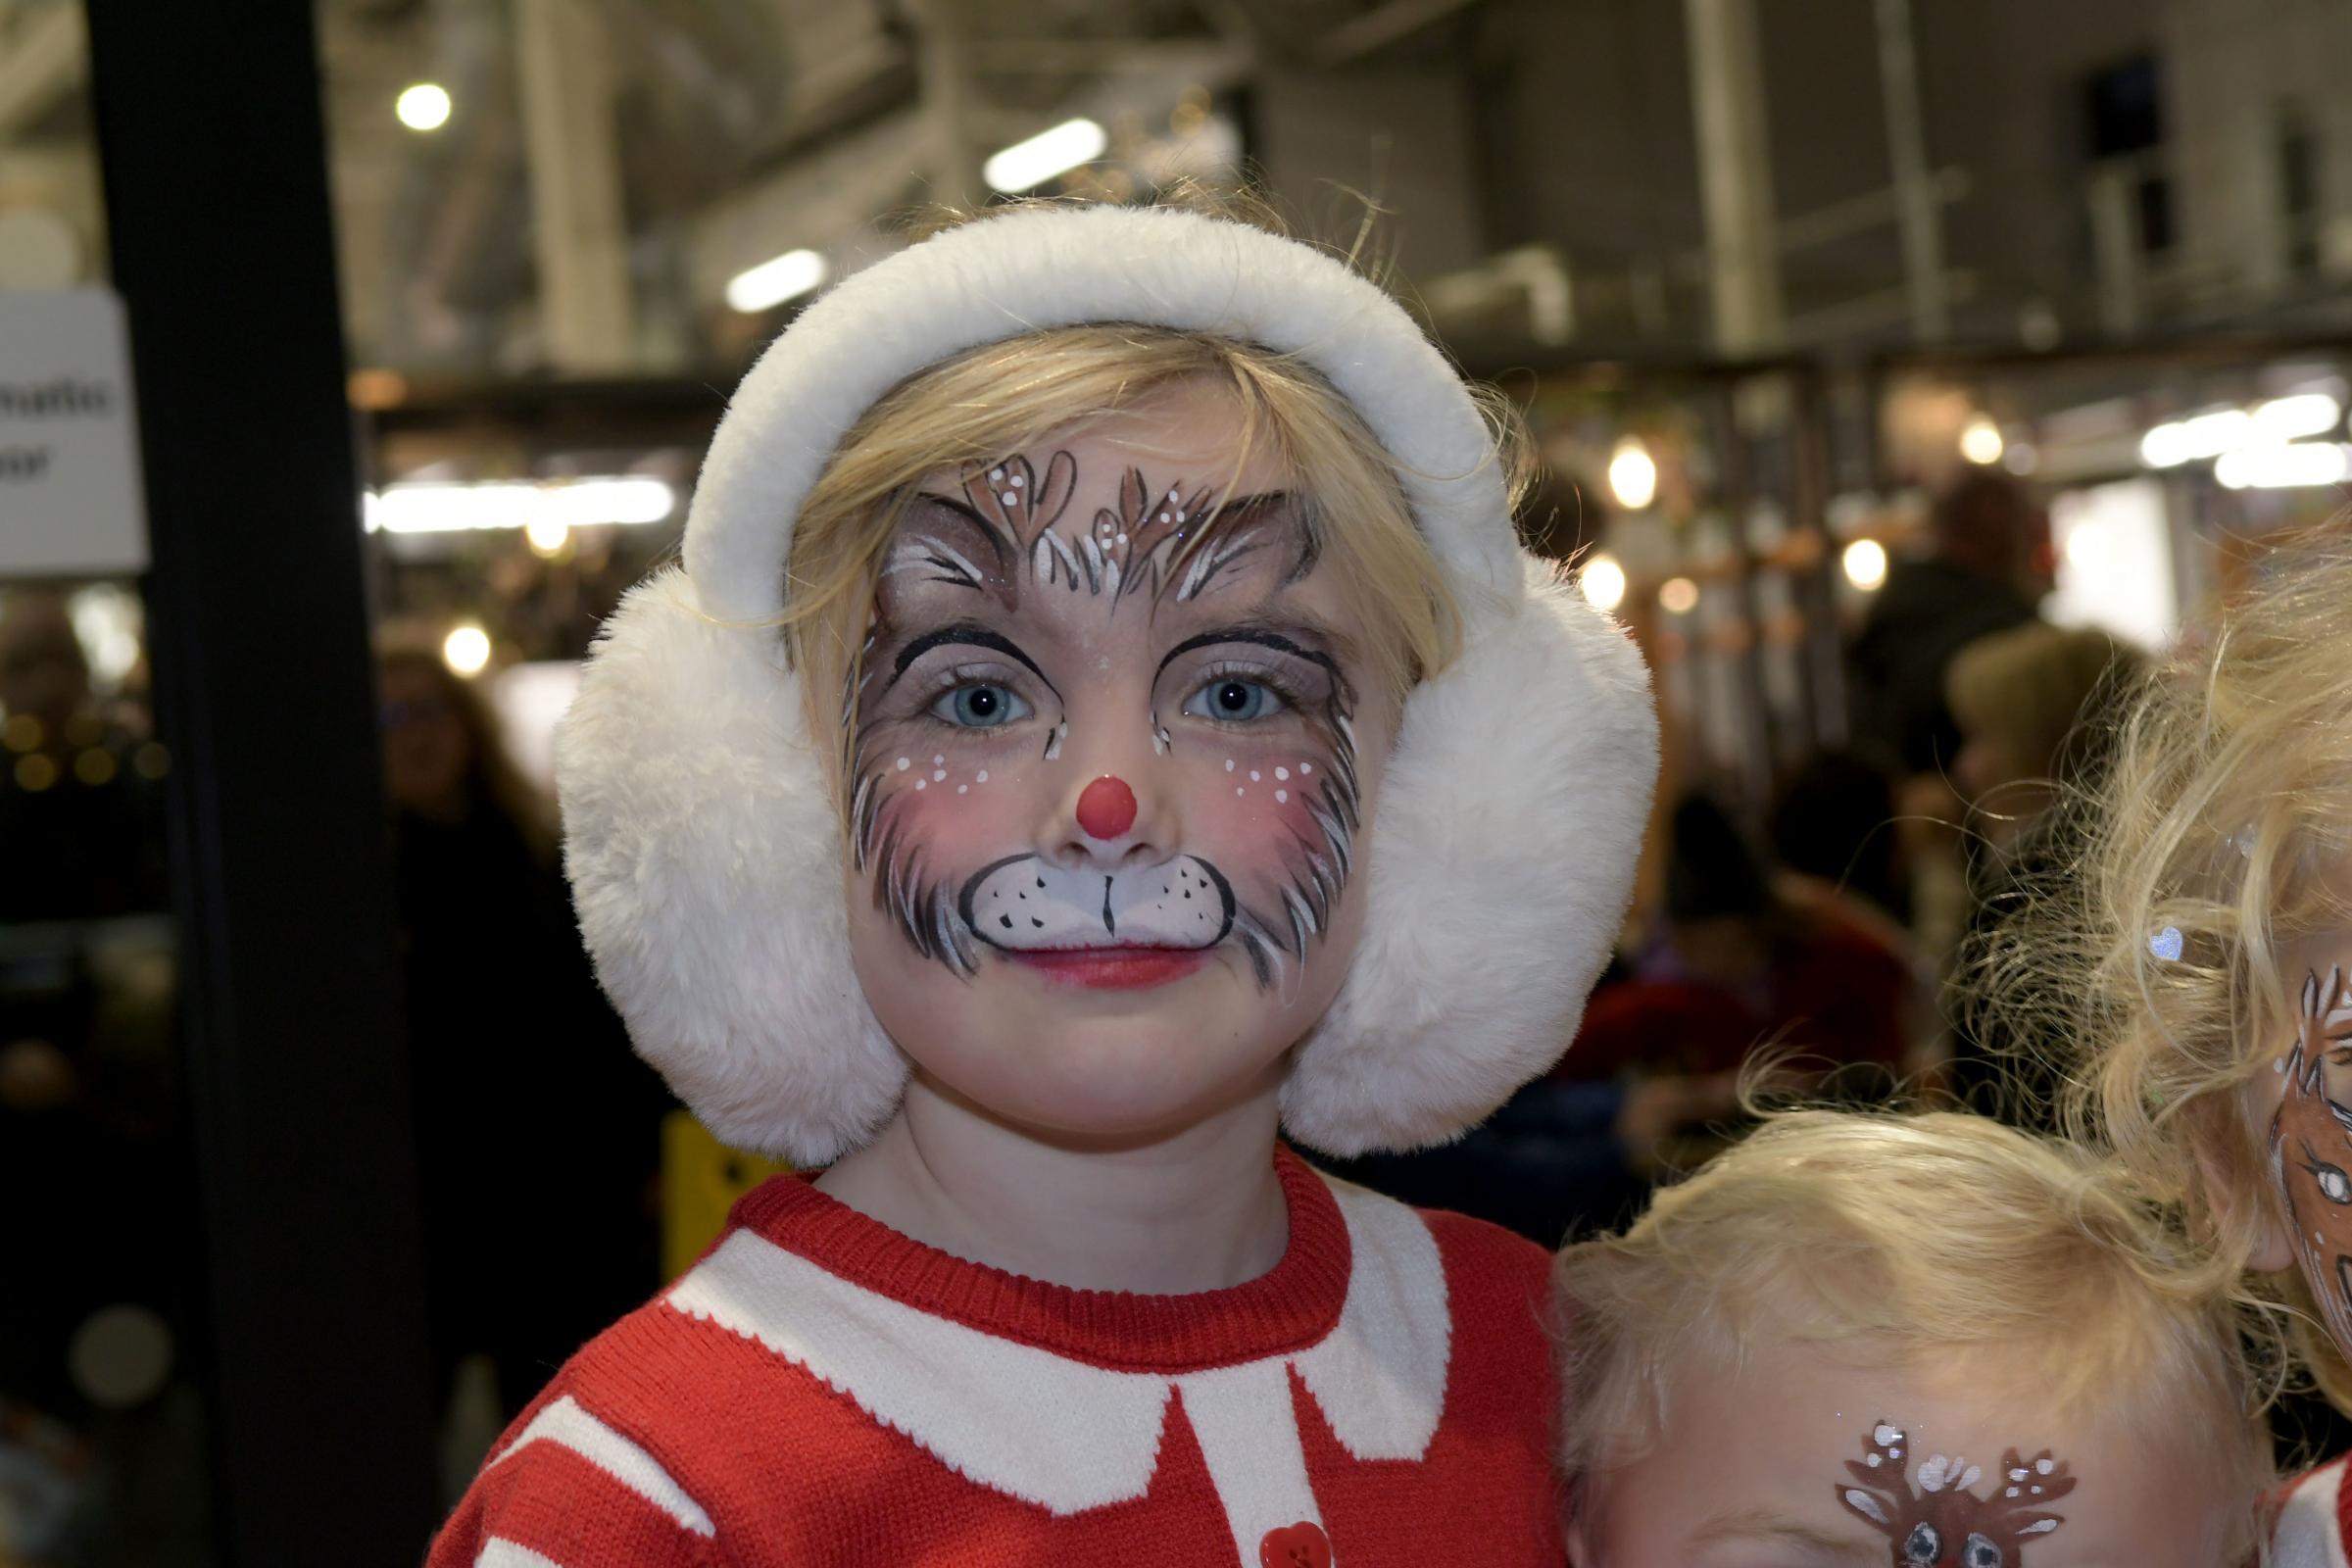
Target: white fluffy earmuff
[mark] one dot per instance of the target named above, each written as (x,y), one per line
(704,845)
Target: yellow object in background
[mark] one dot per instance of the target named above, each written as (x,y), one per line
(701,1179)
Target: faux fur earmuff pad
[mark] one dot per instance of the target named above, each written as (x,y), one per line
(704,849)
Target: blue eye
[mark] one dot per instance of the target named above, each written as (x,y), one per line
(1234,701)
(979,706)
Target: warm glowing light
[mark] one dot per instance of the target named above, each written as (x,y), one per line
(423,107)
(2089,546)
(2284,468)
(1864,562)
(1028,164)
(1633,475)
(2304,414)
(2165,445)
(1603,583)
(1981,442)
(466,651)
(519,504)
(772,283)
(1678,596)
(546,535)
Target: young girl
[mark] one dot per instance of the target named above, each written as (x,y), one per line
(1104,713)
(2198,954)
(1923,1340)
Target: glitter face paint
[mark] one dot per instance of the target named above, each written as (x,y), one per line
(1015,641)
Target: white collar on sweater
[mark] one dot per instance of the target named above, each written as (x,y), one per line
(1067,1436)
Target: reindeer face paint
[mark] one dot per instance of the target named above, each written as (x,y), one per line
(1944,1523)
(1107,750)
(1757,1465)
(2311,1148)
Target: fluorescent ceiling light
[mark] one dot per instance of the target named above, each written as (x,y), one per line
(517,504)
(2284,468)
(1028,164)
(2304,414)
(771,283)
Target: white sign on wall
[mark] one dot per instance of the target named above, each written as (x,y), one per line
(69,501)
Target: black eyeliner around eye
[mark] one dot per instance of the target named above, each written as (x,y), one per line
(971,634)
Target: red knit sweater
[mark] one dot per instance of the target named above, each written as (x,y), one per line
(822,1389)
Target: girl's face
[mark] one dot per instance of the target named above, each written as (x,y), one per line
(2304,1113)
(1110,782)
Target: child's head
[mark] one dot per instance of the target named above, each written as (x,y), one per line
(1920,1340)
(2185,954)
(1075,608)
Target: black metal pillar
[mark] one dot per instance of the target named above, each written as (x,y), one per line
(221,243)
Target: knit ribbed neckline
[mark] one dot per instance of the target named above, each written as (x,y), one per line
(1291,1305)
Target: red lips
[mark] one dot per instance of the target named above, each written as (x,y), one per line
(1112,968)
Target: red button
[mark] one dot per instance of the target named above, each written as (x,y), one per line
(1298,1546)
(1107,808)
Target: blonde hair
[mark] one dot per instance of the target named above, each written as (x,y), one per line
(1934,1242)
(979,406)
(2226,804)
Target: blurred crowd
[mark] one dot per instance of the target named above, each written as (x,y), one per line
(1820,941)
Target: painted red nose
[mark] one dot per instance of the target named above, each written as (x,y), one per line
(1107,808)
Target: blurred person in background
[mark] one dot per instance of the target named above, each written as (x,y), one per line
(1737,962)
(2034,706)
(1987,568)
(516,1062)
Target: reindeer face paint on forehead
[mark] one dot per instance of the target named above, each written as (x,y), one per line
(1944,1523)
(1103,740)
(1802,1455)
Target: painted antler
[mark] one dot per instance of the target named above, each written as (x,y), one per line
(2026,1487)
(1884,1495)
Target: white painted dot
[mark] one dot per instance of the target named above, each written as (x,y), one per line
(918,785)
(1175,495)
(2044,1466)
(904,764)
(1873,1461)
(1254,775)
(1238,790)
(1180,516)
(938,774)
(1281,796)
(1305,768)
(981,777)
(2010,1493)
(1020,479)
(996,473)
(938,757)
(1282,773)
(1009,499)
(1163,516)
(1228,765)
(963,789)
(1121,540)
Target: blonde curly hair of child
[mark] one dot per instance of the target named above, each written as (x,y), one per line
(1936,1242)
(2146,965)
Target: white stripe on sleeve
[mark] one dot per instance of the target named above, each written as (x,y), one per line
(499,1553)
(567,1425)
